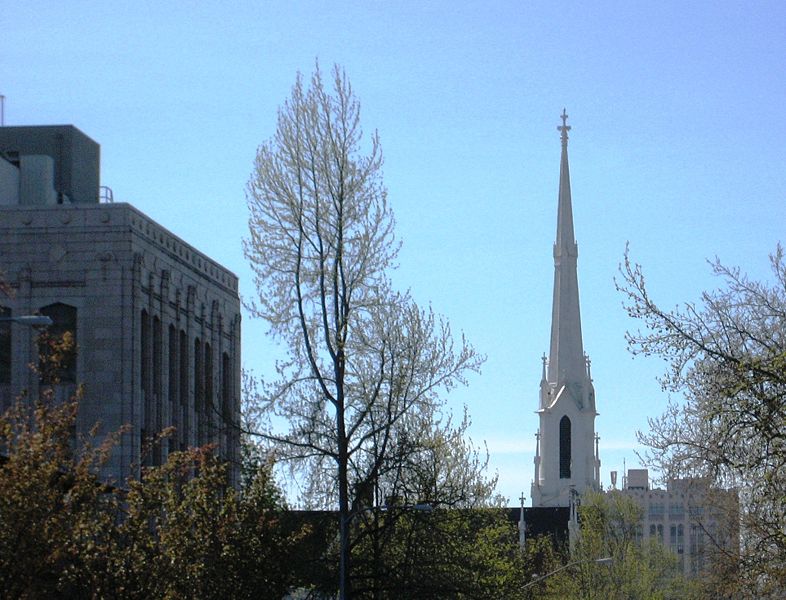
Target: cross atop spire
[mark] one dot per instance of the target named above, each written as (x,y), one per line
(564,128)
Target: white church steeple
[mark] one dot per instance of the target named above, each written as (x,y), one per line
(566,456)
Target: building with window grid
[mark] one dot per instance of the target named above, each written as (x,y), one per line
(156,323)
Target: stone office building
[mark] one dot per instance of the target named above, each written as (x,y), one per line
(156,322)
(696,521)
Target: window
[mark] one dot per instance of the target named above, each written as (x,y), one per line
(199,400)
(207,407)
(226,388)
(638,533)
(172,381)
(157,350)
(198,390)
(697,549)
(144,348)
(150,372)
(5,346)
(656,532)
(183,369)
(57,345)
(174,365)
(182,433)
(676,510)
(677,538)
(657,510)
(564,448)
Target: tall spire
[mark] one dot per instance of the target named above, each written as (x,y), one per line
(565,461)
(566,355)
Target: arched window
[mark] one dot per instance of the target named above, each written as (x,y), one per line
(57,345)
(564,448)
(5,346)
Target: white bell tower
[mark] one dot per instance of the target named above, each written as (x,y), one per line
(566,455)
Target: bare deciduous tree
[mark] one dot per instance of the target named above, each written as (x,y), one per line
(364,361)
(727,357)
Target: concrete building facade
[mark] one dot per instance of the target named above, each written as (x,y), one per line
(156,322)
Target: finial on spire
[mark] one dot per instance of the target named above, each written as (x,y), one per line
(564,128)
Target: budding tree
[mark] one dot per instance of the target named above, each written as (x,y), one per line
(363,360)
(727,357)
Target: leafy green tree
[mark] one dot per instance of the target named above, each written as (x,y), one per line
(179,532)
(726,357)
(56,518)
(639,570)
(433,461)
(187,533)
(444,553)
(444,533)
(364,361)
(540,556)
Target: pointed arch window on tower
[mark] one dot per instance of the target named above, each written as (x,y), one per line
(564,448)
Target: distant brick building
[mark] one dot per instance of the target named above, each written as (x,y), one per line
(156,322)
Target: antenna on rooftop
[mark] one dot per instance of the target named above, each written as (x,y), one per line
(624,475)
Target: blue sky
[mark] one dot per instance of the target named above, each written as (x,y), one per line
(678,147)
